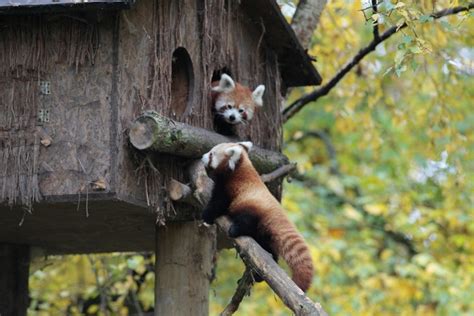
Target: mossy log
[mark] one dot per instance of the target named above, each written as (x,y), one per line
(154,132)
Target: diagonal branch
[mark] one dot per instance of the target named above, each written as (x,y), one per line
(243,288)
(278,173)
(296,106)
(256,258)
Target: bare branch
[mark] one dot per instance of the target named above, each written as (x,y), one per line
(261,261)
(278,173)
(243,288)
(296,106)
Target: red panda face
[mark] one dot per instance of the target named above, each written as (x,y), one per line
(225,153)
(234,102)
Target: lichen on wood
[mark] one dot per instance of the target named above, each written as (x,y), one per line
(154,132)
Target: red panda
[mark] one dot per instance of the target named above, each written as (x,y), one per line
(240,193)
(234,102)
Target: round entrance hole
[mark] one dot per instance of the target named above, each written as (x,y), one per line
(182,81)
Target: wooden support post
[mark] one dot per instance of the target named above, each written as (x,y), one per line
(14,272)
(184,262)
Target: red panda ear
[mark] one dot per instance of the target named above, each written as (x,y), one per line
(234,154)
(246,145)
(226,84)
(257,95)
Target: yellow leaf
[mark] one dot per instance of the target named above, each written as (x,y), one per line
(351,213)
(376,209)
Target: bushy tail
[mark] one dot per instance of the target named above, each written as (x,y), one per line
(291,246)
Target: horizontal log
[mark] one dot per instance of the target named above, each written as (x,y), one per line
(152,131)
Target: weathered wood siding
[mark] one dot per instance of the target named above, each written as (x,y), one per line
(103,70)
(216,34)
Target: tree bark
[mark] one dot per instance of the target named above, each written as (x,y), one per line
(157,133)
(14,273)
(184,255)
(306,19)
(261,261)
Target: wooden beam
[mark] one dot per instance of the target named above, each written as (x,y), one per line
(14,273)
(152,131)
(184,255)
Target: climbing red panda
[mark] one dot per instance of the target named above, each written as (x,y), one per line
(234,102)
(240,193)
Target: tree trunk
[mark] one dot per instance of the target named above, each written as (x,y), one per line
(306,20)
(14,272)
(184,262)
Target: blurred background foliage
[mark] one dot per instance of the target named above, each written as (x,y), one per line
(384,192)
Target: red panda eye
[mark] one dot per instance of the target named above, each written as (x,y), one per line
(229,106)
(241,111)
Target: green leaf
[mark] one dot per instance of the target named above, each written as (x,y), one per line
(446,25)
(407,39)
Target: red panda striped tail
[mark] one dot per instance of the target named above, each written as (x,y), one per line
(289,244)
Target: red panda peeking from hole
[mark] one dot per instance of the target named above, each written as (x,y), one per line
(234,102)
(240,193)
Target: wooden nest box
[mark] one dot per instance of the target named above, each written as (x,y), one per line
(73,78)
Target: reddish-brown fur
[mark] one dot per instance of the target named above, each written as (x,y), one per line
(247,193)
(241,94)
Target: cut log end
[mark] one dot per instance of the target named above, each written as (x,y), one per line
(142,132)
(178,191)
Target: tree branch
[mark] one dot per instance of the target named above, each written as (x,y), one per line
(243,288)
(261,261)
(296,106)
(154,132)
(376,23)
(278,173)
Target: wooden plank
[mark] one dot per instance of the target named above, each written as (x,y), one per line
(98,224)
(14,273)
